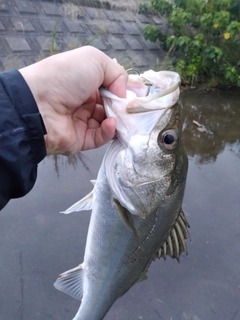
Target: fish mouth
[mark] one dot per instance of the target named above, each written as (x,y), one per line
(159,90)
(143,104)
(148,97)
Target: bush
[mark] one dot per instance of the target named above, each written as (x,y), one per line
(206,34)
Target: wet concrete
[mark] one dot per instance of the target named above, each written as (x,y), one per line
(37,243)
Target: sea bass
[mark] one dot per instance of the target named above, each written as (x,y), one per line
(137,198)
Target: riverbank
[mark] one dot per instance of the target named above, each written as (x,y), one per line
(31,30)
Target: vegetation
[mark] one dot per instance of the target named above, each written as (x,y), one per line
(205,39)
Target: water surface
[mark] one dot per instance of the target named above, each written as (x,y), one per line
(37,243)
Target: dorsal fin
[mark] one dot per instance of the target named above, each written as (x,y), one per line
(70,282)
(175,243)
(142,277)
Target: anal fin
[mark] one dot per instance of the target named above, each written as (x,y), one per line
(70,282)
(175,243)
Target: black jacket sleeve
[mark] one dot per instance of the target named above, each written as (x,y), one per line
(22,131)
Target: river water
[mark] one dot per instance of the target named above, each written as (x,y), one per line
(37,243)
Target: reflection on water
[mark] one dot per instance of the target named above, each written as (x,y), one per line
(72,161)
(220,114)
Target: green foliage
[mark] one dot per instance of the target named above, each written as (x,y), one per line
(162,6)
(206,35)
(153,34)
(144,8)
(53,46)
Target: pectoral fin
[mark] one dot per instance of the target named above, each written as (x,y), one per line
(175,243)
(70,282)
(127,218)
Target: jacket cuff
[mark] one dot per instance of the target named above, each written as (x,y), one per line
(25,105)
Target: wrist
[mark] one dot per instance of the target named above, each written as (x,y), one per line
(27,110)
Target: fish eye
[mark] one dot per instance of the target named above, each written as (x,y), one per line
(168,139)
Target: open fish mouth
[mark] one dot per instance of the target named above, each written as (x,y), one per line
(149,95)
(149,91)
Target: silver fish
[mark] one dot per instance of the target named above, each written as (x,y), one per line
(137,198)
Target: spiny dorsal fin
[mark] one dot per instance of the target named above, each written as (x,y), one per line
(175,243)
(70,282)
(142,277)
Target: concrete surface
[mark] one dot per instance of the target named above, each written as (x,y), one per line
(31,30)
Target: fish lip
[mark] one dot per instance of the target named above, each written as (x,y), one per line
(174,85)
(141,104)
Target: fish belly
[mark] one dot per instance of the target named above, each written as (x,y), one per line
(115,259)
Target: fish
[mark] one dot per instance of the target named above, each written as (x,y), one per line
(136,201)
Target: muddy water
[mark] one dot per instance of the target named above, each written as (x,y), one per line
(37,243)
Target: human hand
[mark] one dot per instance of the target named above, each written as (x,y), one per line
(65,87)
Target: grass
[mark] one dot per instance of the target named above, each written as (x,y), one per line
(129,5)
